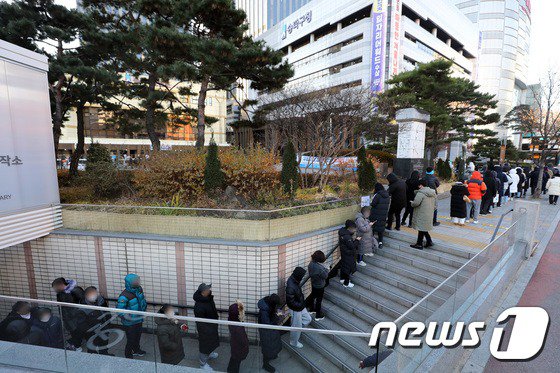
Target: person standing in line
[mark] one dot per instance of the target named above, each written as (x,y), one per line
(553,186)
(94,321)
(348,249)
(503,182)
(507,184)
(521,182)
(527,184)
(295,300)
(433,183)
(132,298)
(545,178)
(477,189)
(491,190)
(513,188)
(534,176)
(397,191)
(495,202)
(318,274)
(68,291)
(239,342)
(364,230)
(270,341)
(50,325)
(18,326)
(411,186)
(169,336)
(424,204)
(458,208)
(208,336)
(379,210)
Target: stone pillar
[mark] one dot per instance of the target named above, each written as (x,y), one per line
(411,141)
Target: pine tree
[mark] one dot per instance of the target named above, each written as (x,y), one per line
(366,172)
(290,169)
(213,174)
(446,170)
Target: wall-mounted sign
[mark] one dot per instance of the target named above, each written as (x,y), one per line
(379,17)
(396,30)
(298,23)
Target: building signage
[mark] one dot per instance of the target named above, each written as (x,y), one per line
(287,29)
(379,17)
(527,7)
(395,37)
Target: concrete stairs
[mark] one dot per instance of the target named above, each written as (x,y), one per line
(395,279)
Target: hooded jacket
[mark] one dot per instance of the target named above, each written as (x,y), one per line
(380,209)
(458,206)
(170,340)
(424,204)
(239,342)
(412,185)
(294,295)
(490,182)
(503,179)
(367,243)
(348,249)
(476,186)
(553,186)
(397,191)
(318,274)
(432,181)
(52,331)
(270,341)
(71,294)
(513,188)
(132,298)
(208,337)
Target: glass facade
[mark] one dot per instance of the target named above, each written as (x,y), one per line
(280,9)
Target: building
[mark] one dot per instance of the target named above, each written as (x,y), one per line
(504,28)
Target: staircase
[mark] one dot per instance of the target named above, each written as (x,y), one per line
(395,278)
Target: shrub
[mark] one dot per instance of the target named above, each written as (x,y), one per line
(290,169)
(106,180)
(213,174)
(97,153)
(366,172)
(76,194)
(382,156)
(443,169)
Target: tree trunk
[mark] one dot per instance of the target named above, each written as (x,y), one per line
(79,151)
(538,191)
(58,117)
(201,124)
(150,111)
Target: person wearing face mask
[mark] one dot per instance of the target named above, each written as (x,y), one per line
(94,321)
(50,325)
(169,334)
(208,337)
(132,298)
(18,326)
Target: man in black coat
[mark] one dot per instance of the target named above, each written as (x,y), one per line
(68,291)
(491,191)
(270,339)
(208,337)
(95,321)
(348,250)
(397,191)
(379,210)
(534,176)
(296,303)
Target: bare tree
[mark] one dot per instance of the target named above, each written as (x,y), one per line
(541,120)
(322,124)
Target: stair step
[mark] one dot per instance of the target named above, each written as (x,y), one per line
(448,248)
(331,351)
(367,313)
(347,320)
(363,295)
(385,290)
(417,261)
(408,284)
(354,345)
(310,357)
(406,270)
(433,255)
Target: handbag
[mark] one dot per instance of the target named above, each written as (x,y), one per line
(466,199)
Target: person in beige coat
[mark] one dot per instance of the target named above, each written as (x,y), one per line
(422,220)
(553,187)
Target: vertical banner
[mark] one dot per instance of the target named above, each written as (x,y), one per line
(378,47)
(396,30)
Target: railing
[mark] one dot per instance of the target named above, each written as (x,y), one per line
(164,341)
(468,295)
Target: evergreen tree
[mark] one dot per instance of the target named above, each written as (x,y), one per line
(490,148)
(213,174)
(290,169)
(366,172)
(97,154)
(447,173)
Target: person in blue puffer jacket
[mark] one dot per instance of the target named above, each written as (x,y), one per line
(132,298)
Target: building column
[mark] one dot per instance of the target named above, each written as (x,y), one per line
(411,141)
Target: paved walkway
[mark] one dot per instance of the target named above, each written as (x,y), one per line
(543,291)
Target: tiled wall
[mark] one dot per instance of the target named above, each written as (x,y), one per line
(170,271)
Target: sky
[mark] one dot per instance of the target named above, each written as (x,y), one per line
(545,30)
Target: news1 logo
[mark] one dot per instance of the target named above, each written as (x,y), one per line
(526,340)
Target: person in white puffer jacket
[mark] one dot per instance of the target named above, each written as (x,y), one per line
(514,181)
(553,186)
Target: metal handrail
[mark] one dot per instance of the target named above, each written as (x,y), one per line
(499,224)
(329,254)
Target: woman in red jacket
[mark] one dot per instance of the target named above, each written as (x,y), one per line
(477,189)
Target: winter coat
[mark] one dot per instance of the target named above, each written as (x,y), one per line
(503,179)
(53,336)
(397,191)
(208,337)
(514,180)
(534,176)
(170,340)
(294,295)
(424,204)
(318,274)
(239,342)
(367,243)
(458,206)
(379,210)
(545,179)
(348,249)
(521,182)
(553,186)
(270,341)
(412,185)
(476,186)
(73,317)
(15,328)
(490,182)
(132,298)
(432,182)
(95,317)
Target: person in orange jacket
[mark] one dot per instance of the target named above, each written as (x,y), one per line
(477,189)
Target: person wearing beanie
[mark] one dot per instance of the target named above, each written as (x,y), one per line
(433,183)
(295,300)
